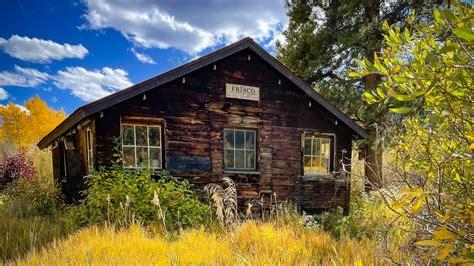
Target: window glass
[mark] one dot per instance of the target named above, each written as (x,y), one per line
(228,138)
(141,135)
(229,158)
(240,149)
(142,157)
(239,139)
(129,156)
(155,155)
(307,146)
(307,164)
(249,140)
(316,147)
(250,156)
(325,148)
(128,135)
(141,146)
(316,155)
(154,136)
(240,159)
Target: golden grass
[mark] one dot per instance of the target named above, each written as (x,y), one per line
(252,243)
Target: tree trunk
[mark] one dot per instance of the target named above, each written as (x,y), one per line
(374,151)
(373,167)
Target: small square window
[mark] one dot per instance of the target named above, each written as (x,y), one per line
(316,155)
(239,149)
(141,146)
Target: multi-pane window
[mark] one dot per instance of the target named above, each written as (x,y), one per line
(317,158)
(141,146)
(89,150)
(239,149)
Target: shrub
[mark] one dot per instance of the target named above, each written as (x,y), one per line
(15,166)
(32,197)
(120,196)
(29,216)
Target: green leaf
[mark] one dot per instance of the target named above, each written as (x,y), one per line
(378,65)
(403,98)
(437,16)
(354,74)
(448,14)
(400,110)
(406,33)
(464,33)
(369,97)
(380,92)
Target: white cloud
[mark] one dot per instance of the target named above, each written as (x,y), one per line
(92,85)
(23,108)
(143,57)
(40,51)
(192,26)
(3,94)
(279,37)
(23,77)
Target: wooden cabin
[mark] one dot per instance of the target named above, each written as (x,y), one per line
(236,112)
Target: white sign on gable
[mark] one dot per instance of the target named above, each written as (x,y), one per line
(243,92)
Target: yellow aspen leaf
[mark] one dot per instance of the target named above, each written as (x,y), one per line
(444,252)
(400,203)
(418,204)
(444,234)
(428,242)
(395,70)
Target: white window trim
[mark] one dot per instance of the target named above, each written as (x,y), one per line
(135,146)
(329,157)
(89,150)
(64,155)
(244,149)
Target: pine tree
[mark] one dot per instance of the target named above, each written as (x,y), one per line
(324,38)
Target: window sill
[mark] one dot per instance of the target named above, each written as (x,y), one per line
(316,177)
(242,172)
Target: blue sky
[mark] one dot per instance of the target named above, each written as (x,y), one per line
(72,52)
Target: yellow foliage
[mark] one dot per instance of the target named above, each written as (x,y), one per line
(26,128)
(251,243)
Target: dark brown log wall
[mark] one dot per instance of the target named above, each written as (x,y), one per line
(195,112)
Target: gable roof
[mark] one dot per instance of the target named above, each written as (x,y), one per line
(120,96)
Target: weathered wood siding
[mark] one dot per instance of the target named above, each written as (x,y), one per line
(72,178)
(196,111)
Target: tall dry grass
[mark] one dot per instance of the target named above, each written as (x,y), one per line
(250,243)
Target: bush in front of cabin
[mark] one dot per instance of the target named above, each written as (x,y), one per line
(119,196)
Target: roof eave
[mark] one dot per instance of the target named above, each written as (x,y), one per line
(166,77)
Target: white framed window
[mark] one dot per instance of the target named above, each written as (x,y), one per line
(240,149)
(89,150)
(141,146)
(317,155)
